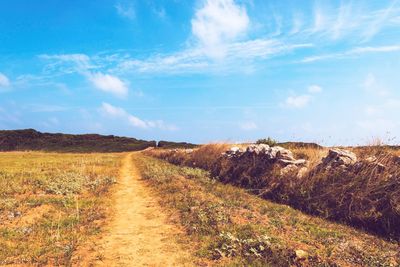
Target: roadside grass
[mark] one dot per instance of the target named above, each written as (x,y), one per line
(365,195)
(231,227)
(51,203)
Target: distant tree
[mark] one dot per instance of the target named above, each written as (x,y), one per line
(268,141)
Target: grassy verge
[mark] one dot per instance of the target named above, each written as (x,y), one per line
(365,194)
(50,203)
(231,227)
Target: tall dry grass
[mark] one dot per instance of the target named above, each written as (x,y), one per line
(227,226)
(366,195)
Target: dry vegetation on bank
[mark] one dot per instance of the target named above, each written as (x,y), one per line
(366,195)
(50,203)
(228,226)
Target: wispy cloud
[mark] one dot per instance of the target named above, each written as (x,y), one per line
(194,60)
(82,64)
(297,101)
(302,100)
(330,23)
(219,41)
(248,126)
(314,89)
(117,112)
(126,10)
(353,52)
(381,19)
(4,82)
(371,85)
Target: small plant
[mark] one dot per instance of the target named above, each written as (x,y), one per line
(268,141)
(250,247)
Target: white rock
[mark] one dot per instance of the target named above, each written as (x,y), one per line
(339,157)
(289,169)
(234,149)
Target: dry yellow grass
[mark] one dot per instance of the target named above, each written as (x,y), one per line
(51,203)
(365,194)
(227,226)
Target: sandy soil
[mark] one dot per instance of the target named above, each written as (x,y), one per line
(138,234)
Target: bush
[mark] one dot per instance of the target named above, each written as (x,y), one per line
(268,141)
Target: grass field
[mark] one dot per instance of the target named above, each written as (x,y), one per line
(230,227)
(50,203)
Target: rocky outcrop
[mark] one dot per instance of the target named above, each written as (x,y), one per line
(338,158)
(276,155)
(275,152)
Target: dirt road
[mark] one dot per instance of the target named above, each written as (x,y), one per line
(138,234)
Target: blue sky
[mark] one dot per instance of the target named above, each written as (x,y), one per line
(203,70)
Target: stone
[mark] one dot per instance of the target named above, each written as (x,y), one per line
(289,169)
(339,157)
(283,153)
(371,159)
(301,254)
(296,162)
(275,152)
(302,172)
(258,149)
(234,149)
(233,152)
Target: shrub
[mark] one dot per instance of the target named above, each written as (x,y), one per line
(268,141)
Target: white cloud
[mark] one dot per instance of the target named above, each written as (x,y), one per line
(68,63)
(380,20)
(161,13)
(126,10)
(248,126)
(371,85)
(219,31)
(314,89)
(353,52)
(113,111)
(369,49)
(347,19)
(194,60)
(108,83)
(320,19)
(357,20)
(82,64)
(298,101)
(4,81)
(217,23)
(297,23)
(120,113)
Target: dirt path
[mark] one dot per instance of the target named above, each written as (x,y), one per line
(138,234)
